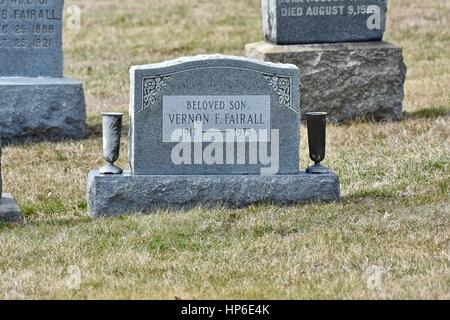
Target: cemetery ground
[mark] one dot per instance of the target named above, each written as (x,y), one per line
(388,238)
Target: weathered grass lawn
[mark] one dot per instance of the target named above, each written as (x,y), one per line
(389,238)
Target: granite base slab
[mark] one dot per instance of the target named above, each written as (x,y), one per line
(40,109)
(113,195)
(350,81)
(9,210)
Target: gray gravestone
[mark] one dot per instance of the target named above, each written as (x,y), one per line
(37,102)
(308,21)
(228,98)
(225,93)
(346,69)
(31,38)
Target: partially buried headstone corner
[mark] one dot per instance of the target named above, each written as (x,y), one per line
(9,210)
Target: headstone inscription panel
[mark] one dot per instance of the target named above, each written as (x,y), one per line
(31,38)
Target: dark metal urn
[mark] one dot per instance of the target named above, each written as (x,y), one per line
(112,130)
(317,129)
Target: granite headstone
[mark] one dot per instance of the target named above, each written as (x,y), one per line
(36,101)
(323,21)
(229,102)
(224,94)
(31,38)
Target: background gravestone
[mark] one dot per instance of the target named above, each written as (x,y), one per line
(298,22)
(36,101)
(188,81)
(208,88)
(31,38)
(346,69)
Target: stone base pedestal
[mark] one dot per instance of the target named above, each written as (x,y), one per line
(39,109)
(9,210)
(112,195)
(350,81)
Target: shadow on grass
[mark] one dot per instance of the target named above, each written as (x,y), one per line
(428,113)
(56,221)
(93,130)
(9,225)
(372,194)
(63,221)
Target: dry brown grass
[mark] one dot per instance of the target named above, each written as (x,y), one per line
(393,222)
